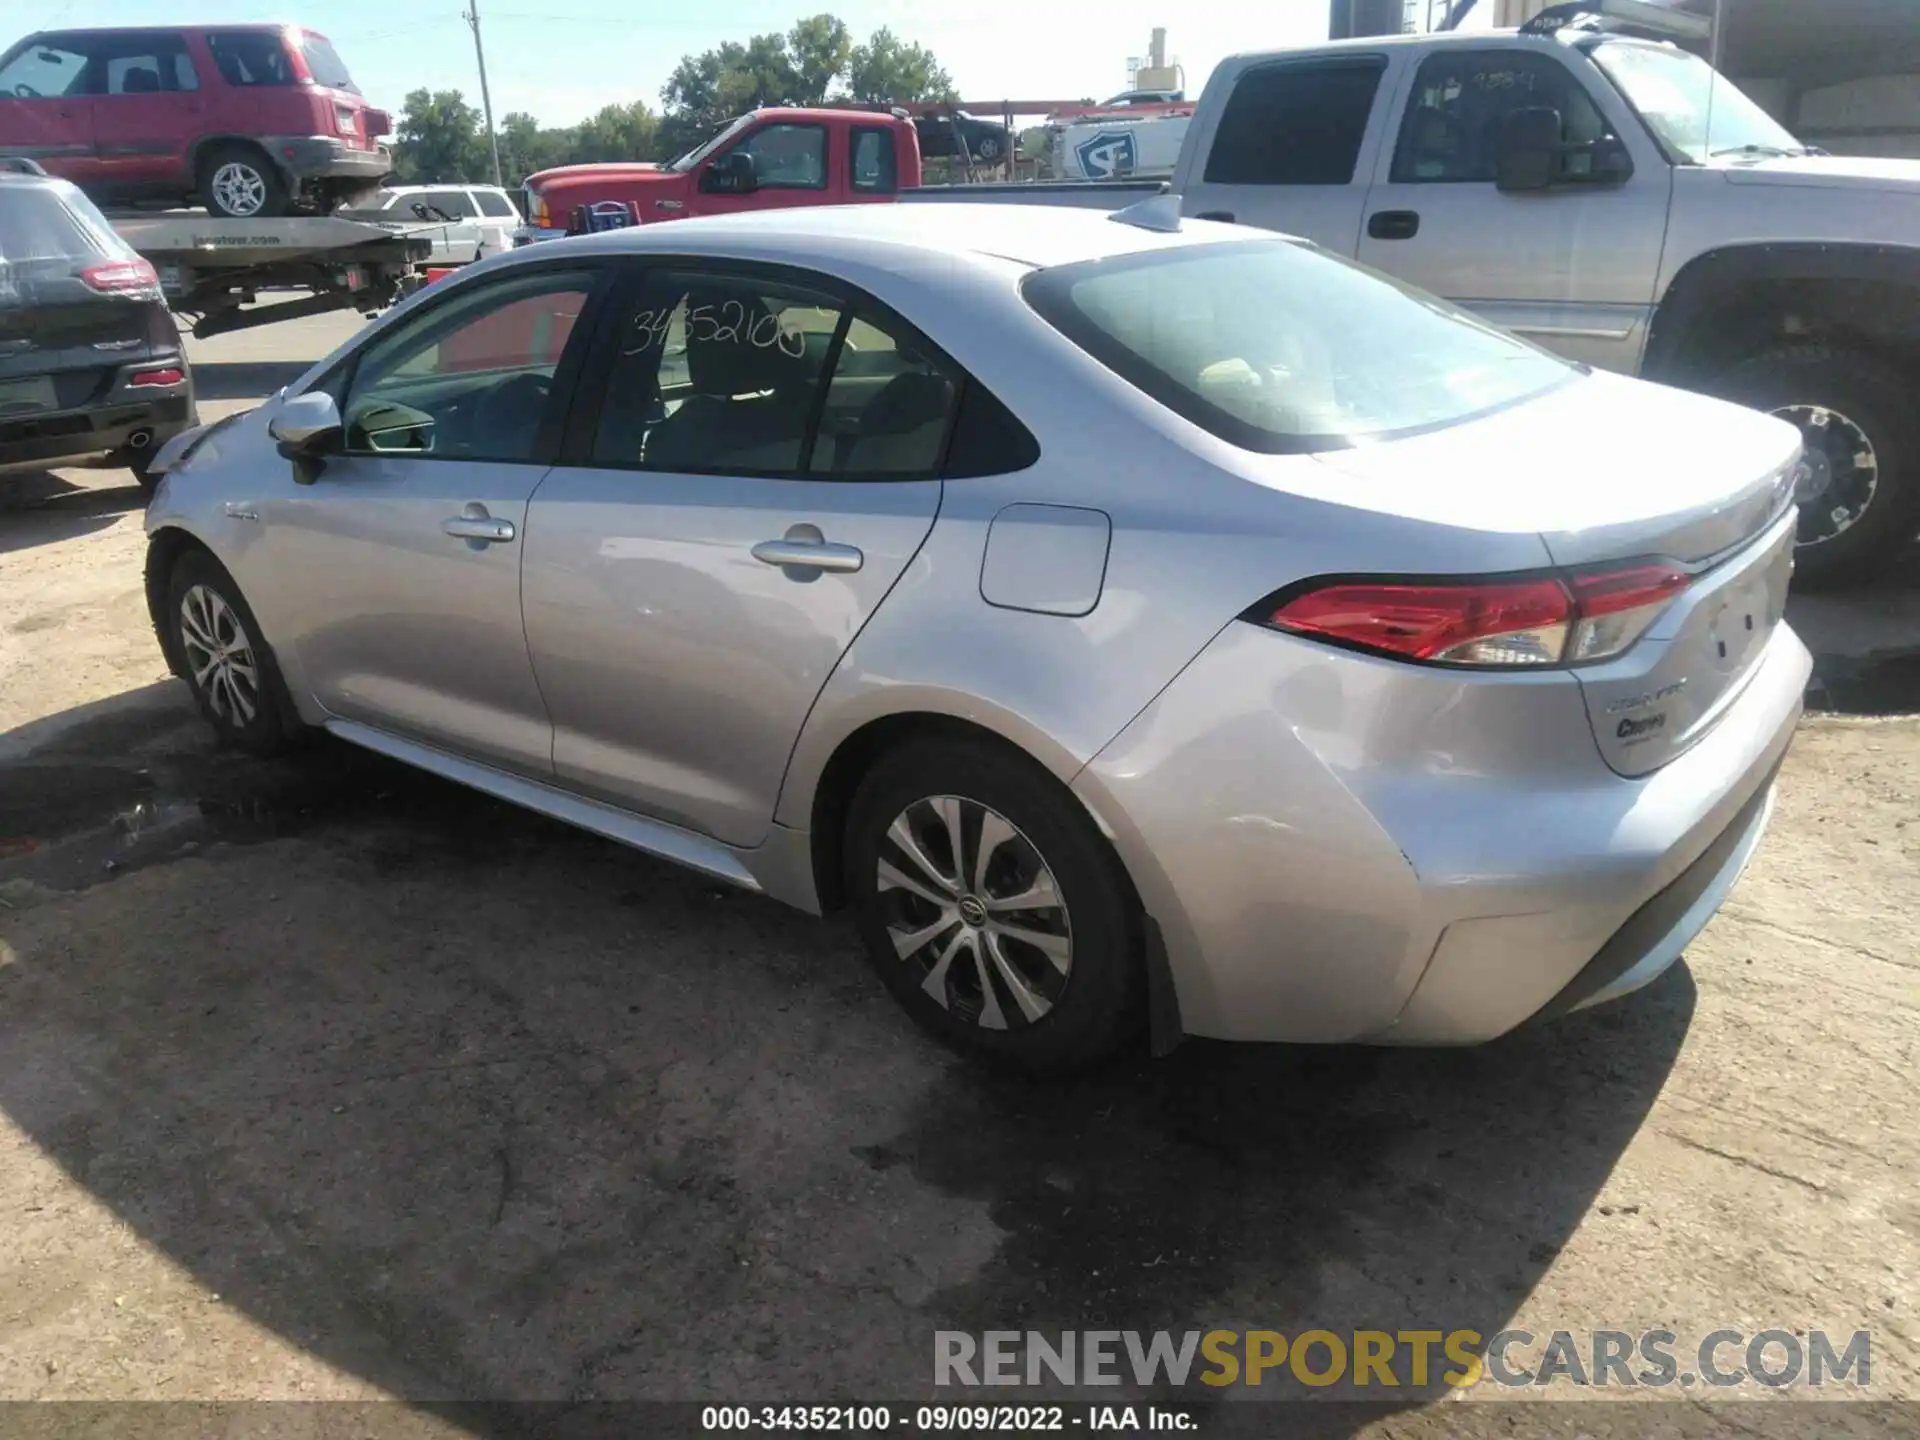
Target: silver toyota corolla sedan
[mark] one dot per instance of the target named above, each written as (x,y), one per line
(1144,626)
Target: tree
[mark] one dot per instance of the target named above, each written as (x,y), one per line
(819,48)
(440,140)
(887,69)
(617,132)
(526,147)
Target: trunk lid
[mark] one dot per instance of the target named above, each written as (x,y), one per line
(1608,470)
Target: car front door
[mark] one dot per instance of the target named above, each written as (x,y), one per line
(399,566)
(148,113)
(46,112)
(758,472)
(1573,267)
(790,168)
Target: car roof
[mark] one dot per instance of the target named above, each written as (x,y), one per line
(1035,235)
(272,27)
(1362,44)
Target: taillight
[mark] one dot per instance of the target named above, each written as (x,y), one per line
(1590,615)
(118,277)
(537,208)
(170,375)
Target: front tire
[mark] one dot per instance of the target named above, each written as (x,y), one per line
(225,660)
(993,909)
(1860,498)
(238,182)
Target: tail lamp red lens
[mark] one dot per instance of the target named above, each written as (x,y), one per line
(170,375)
(1588,615)
(113,277)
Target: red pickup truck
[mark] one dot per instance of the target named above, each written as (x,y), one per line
(765,160)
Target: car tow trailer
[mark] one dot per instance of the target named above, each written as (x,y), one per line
(212,270)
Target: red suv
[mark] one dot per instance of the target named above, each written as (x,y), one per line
(252,120)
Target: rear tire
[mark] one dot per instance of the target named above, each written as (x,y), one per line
(239,182)
(1049,987)
(1855,413)
(226,660)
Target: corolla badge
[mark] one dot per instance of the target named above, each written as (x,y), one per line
(1107,155)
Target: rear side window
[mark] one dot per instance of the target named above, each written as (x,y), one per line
(324,64)
(452,203)
(1283,349)
(47,69)
(493,206)
(250,57)
(150,65)
(1295,124)
(875,169)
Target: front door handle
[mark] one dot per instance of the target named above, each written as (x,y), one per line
(474,525)
(806,550)
(1393,224)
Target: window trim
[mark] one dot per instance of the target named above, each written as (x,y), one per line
(338,379)
(1334,60)
(1409,109)
(747,139)
(588,400)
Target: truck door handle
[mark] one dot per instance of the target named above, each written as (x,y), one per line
(1393,224)
(1224,216)
(804,548)
(474,525)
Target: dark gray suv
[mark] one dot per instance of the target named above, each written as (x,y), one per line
(90,360)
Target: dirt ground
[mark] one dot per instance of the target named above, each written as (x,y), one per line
(324,1080)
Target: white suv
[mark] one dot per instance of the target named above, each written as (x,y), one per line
(479,219)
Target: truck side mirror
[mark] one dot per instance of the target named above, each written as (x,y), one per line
(1529,153)
(733,173)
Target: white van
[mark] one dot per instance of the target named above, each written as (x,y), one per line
(479,219)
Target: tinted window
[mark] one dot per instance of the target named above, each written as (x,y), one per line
(493,205)
(51,220)
(323,64)
(987,438)
(888,408)
(1280,348)
(716,373)
(250,57)
(874,165)
(1295,124)
(1452,127)
(789,157)
(468,379)
(53,67)
(452,203)
(150,65)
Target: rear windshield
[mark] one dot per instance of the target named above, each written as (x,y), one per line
(1283,349)
(54,221)
(324,63)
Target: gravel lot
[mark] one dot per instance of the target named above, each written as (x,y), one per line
(324,1080)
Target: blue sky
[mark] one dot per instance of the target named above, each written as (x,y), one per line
(563,59)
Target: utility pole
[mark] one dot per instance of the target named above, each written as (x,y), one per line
(472,17)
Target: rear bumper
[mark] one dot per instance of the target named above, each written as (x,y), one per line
(1337,848)
(110,423)
(322,157)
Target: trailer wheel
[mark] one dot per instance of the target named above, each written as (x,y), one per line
(241,183)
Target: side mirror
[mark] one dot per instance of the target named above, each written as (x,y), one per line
(733,173)
(306,425)
(1529,154)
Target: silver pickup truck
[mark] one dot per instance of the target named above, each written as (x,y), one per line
(1615,199)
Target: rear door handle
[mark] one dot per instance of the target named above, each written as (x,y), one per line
(1393,224)
(805,548)
(474,525)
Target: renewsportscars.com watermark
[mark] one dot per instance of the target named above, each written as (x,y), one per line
(1380,1360)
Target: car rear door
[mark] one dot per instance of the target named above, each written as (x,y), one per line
(46,110)
(753,466)
(1573,267)
(1291,147)
(398,569)
(149,111)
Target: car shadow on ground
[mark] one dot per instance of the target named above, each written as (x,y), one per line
(38,507)
(244,380)
(477,1107)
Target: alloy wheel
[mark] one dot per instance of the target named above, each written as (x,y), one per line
(240,189)
(220,656)
(1839,474)
(972,904)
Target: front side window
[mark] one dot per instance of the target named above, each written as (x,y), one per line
(1697,113)
(1451,132)
(875,170)
(151,66)
(789,157)
(1295,124)
(46,70)
(250,57)
(468,379)
(1283,349)
(717,373)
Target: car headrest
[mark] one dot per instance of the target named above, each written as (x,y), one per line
(906,403)
(741,357)
(140,82)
